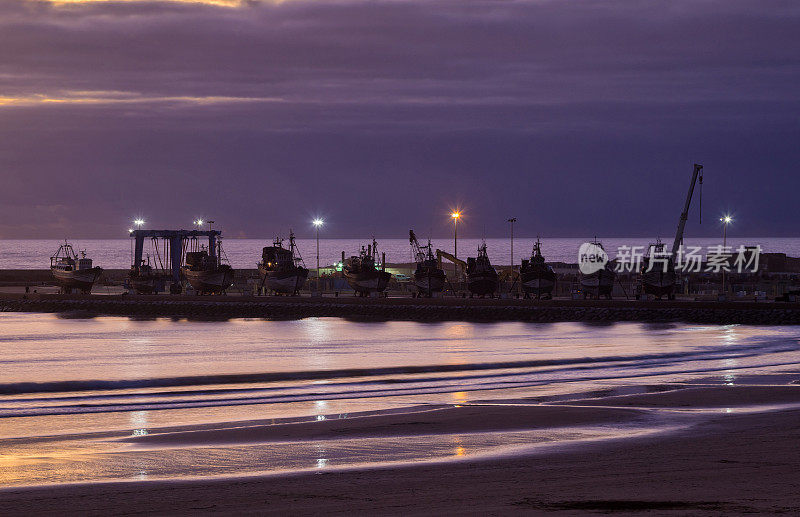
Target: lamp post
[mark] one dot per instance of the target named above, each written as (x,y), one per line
(726,220)
(512,220)
(138,222)
(456,215)
(317,223)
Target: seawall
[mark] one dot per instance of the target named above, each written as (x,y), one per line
(428,310)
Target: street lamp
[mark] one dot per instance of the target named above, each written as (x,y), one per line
(512,220)
(725,220)
(317,224)
(138,222)
(456,215)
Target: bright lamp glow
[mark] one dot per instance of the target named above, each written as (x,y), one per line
(455,215)
(139,222)
(199,222)
(726,219)
(317,222)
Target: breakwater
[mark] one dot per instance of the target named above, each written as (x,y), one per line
(429,310)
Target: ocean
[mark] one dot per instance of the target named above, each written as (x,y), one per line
(245,253)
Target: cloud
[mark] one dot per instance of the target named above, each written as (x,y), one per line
(516,103)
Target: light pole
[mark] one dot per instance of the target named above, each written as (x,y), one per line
(726,220)
(138,222)
(317,223)
(512,221)
(456,215)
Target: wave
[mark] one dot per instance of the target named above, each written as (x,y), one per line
(18,388)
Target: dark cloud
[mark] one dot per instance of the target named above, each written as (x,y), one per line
(578,117)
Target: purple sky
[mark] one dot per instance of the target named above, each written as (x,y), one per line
(579,118)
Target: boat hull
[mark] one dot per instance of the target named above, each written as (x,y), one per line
(213,281)
(147,284)
(659,283)
(82,279)
(429,282)
(597,284)
(366,282)
(284,282)
(482,284)
(538,283)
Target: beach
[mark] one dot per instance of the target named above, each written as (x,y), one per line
(112,414)
(732,457)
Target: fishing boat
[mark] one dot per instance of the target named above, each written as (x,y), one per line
(362,274)
(429,277)
(206,273)
(600,282)
(73,272)
(282,270)
(143,279)
(660,280)
(658,272)
(482,279)
(537,278)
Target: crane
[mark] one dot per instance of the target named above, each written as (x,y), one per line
(419,255)
(698,171)
(451,258)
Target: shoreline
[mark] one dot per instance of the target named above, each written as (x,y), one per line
(720,463)
(406,309)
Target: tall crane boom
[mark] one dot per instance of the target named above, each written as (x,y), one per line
(419,255)
(698,171)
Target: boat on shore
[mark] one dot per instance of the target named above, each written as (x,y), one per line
(206,273)
(282,270)
(143,279)
(362,273)
(599,283)
(71,271)
(429,277)
(482,278)
(537,278)
(658,272)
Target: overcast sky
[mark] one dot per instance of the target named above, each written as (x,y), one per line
(579,118)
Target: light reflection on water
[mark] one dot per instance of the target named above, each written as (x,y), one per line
(183,366)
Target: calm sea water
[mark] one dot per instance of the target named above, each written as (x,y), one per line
(245,253)
(73,390)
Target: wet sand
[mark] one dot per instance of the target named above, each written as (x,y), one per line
(723,463)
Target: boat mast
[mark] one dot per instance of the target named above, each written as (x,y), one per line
(698,171)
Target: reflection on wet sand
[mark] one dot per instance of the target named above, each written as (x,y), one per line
(117,399)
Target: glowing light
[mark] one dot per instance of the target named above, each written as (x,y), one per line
(112,98)
(455,215)
(726,219)
(217,3)
(139,222)
(317,222)
(130,230)
(199,222)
